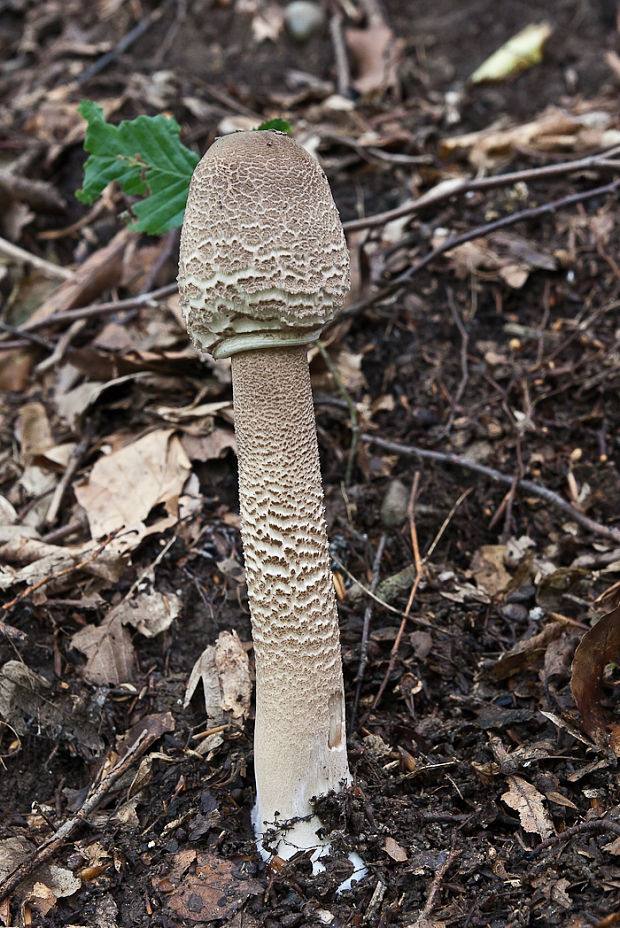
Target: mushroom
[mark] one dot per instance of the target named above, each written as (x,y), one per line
(263,265)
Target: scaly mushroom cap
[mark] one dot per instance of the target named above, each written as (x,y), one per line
(263,259)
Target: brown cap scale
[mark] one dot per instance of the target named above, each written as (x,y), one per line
(263,266)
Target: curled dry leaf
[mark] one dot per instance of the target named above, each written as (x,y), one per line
(528,803)
(598,647)
(124,486)
(555,130)
(225,673)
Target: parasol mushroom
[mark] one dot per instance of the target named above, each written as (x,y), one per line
(263,266)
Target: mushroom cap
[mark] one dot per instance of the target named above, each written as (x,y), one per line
(263,259)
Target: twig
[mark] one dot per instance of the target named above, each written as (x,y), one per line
(95,797)
(597,824)
(74,462)
(99,309)
(454,241)
(343,79)
(542,492)
(128,39)
(24,336)
(9,631)
(422,919)
(60,348)
(464,366)
(414,588)
(46,267)
(441,193)
(359,677)
(59,573)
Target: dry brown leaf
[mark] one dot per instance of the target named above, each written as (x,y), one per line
(555,130)
(376,54)
(598,647)
(124,486)
(149,613)
(526,654)
(202,887)
(33,431)
(111,658)
(528,803)
(49,562)
(394,850)
(208,447)
(487,568)
(224,671)
(101,271)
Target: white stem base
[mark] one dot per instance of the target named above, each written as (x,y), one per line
(302,836)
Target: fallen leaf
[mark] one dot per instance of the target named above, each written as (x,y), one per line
(598,647)
(526,654)
(519,53)
(149,613)
(375,53)
(33,430)
(528,803)
(554,130)
(394,850)
(224,671)
(487,568)
(125,485)
(111,659)
(201,887)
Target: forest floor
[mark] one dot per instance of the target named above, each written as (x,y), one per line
(469,428)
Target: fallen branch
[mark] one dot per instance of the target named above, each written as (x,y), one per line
(442,192)
(422,919)
(487,229)
(554,499)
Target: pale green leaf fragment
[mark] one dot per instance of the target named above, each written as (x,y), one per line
(519,53)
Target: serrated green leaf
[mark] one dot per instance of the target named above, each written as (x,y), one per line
(146,157)
(281,125)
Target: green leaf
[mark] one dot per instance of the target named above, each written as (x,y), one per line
(146,157)
(280,124)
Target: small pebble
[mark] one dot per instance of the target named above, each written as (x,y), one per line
(394,505)
(303,19)
(514,612)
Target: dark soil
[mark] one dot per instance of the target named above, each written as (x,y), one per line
(522,379)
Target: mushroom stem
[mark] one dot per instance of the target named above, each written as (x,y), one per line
(300,742)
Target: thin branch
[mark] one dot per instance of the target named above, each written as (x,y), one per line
(359,677)
(422,919)
(554,499)
(99,309)
(454,241)
(45,267)
(445,191)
